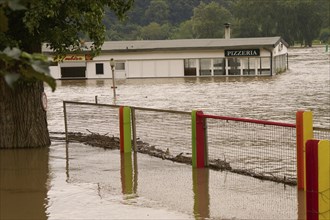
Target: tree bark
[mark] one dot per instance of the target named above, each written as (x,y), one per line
(23,120)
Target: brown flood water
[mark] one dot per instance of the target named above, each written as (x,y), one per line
(77,181)
(82,182)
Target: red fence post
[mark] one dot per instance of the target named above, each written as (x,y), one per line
(312,203)
(317,179)
(199,148)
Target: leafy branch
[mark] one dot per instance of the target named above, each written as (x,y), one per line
(17,65)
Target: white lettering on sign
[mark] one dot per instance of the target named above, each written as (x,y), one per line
(235,53)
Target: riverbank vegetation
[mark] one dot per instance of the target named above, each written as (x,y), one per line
(297,21)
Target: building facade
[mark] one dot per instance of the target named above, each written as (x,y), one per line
(177,58)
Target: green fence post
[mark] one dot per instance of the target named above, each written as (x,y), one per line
(125,129)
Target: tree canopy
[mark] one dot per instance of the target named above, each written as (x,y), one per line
(208,20)
(24,26)
(297,21)
(63,25)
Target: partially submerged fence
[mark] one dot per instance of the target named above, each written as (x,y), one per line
(263,149)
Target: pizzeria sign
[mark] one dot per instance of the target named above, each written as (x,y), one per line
(242,53)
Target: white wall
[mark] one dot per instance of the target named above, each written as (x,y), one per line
(153,64)
(155,68)
(91,70)
(280,49)
(55,72)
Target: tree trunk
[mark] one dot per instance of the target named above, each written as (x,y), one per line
(23,120)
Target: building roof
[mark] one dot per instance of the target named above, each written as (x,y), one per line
(186,44)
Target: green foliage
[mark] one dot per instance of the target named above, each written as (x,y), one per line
(17,66)
(181,11)
(27,24)
(158,11)
(155,31)
(208,20)
(61,25)
(294,20)
(185,31)
(325,35)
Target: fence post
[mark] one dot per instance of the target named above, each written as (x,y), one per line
(317,179)
(134,128)
(324,179)
(199,147)
(65,122)
(125,129)
(126,174)
(201,193)
(304,132)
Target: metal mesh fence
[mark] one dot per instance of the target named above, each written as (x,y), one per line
(264,151)
(321,133)
(168,132)
(87,118)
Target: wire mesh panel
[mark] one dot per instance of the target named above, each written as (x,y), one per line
(255,149)
(87,118)
(321,133)
(166,132)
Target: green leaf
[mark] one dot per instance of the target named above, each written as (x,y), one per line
(26,55)
(40,66)
(24,66)
(39,56)
(45,78)
(15,5)
(14,53)
(11,79)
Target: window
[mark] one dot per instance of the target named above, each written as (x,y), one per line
(265,66)
(120,66)
(99,68)
(219,66)
(245,65)
(205,67)
(252,66)
(190,67)
(234,66)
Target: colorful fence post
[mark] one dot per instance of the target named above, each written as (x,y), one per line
(201,193)
(304,131)
(128,172)
(199,147)
(318,179)
(125,129)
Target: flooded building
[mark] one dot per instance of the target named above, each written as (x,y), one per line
(264,56)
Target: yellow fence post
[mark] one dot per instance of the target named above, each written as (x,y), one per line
(324,179)
(317,180)
(304,132)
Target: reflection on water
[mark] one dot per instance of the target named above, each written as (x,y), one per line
(129,173)
(92,183)
(201,193)
(145,181)
(200,180)
(23,181)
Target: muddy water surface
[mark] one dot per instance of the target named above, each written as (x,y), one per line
(76,181)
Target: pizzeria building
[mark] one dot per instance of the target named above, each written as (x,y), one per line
(263,56)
